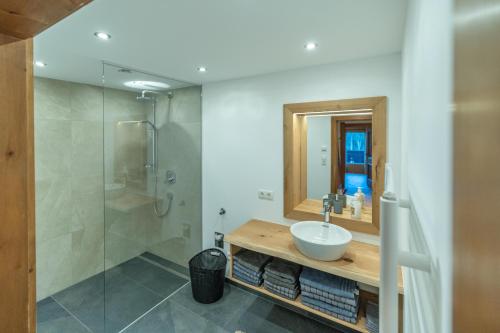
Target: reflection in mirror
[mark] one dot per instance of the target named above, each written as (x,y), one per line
(339,161)
(335,150)
(349,170)
(319,159)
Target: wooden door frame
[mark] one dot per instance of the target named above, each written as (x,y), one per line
(21,21)
(476,135)
(335,170)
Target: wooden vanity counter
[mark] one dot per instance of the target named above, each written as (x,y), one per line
(361,263)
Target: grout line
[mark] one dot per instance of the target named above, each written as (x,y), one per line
(73,315)
(138,284)
(168,269)
(154,307)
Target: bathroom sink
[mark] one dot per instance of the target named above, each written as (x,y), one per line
(320,241)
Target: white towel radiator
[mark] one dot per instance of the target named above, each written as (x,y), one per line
(392,256)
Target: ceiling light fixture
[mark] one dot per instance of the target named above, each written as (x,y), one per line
(311,46)
(39,63)
(332,112)
(102,35)
(202,69)
(151,85)
(348,114)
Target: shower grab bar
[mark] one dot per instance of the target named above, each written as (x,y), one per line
(392,256)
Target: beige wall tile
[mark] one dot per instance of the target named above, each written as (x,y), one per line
(52,99)
(52,148)
(53,207)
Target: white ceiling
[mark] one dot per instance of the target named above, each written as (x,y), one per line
(232,38)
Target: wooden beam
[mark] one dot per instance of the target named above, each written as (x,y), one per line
(24,19)
(17,194)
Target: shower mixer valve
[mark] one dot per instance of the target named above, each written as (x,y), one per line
(171,177)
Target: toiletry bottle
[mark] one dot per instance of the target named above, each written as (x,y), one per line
(356,209)
(360,196)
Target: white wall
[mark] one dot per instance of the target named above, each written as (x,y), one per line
(318,173)
(426,163)
(242,135)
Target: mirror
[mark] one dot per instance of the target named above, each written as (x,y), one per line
(335,148)
(339,156)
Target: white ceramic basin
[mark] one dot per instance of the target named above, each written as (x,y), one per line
(319,240)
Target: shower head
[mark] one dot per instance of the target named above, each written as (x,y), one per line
(144,95)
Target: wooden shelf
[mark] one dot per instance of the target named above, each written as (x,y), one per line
(359,326)
(313,206)
(360,263)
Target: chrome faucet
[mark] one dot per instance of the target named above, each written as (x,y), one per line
(327,207)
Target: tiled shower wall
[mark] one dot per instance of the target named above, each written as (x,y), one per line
(70,173)
(179,235)
(69,177)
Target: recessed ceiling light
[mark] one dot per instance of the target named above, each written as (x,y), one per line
(311,46)
(152,85)
(202,69)
(39,63)
(102,35)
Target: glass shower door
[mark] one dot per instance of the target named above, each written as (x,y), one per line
(152,177)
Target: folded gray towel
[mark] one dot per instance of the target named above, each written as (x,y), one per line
(330,283)
(340,305)
(350,301)
(332,311)
(246,279)
(290,293)
(247,271)
(283,270)
(252,260)
(250,277)
(372,317)
(272,278)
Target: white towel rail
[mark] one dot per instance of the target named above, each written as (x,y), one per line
(391,256)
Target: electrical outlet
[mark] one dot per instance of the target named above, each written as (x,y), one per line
(266,195)
(219,240)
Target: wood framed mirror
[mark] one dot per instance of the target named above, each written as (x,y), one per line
(333,146)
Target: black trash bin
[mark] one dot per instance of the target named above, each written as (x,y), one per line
(207,270)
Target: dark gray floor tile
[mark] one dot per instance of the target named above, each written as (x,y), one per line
(220,312)
(264,316)
(174,318)
(166,263)
(153,277)
(52,318)
(113,296)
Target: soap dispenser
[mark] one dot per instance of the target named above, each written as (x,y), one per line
(360,196)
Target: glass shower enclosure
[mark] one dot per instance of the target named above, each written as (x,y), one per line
(118,197)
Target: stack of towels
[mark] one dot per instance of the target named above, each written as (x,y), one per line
(249,266)
(372,317)
(333,295)
(281,277)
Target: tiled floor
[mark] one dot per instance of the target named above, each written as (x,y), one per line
(121,295)
(137,286)
(237,310)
